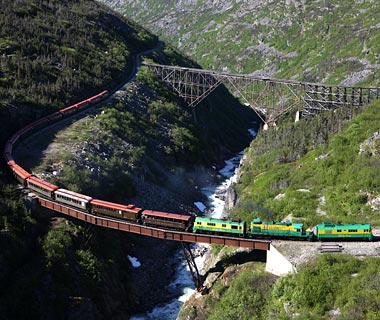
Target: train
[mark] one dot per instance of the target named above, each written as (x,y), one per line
(173,221)
(99,207)
(80,201)
(325,231)
(44,121)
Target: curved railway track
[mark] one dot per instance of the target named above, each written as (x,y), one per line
(128,218)
(47,193)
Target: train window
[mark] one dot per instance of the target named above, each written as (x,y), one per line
(223,225)
(211,224)
(338,230)
(234,227)
(199,223)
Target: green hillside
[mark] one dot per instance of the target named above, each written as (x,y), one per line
(334,287)
(145,147)
(324,168)
(333,42)
(54,53)
(318,41)
(320,169)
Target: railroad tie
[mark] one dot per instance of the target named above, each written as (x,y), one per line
(324,248)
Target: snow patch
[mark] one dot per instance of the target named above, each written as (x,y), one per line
(200,206)
(134,261)
(252,132)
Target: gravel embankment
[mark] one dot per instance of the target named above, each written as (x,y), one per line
(299,252)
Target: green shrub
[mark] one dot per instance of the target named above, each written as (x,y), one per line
(55,246)
(340,283)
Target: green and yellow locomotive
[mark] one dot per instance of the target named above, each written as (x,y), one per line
(219,226)
(325,231)
(331,231)
(285,229)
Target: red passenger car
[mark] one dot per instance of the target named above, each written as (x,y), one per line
(72,198)
(40,186)
(127,212)
(20,174)
(167,220)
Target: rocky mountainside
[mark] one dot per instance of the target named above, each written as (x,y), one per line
(335,42)
(144,147)
(318,169)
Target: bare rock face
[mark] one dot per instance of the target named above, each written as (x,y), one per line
(371,146)
(230,198)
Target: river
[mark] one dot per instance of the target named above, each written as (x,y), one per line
(183,282)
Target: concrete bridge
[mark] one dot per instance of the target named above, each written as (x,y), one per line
(270,98)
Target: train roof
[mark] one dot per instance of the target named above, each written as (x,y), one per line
(330,225)
(69,107)
(69,193)
(112,205)
(42,183)
(277,223)
(84,101)
(20,171)
(166,215)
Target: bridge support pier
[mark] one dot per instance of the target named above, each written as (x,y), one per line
(278,264)
(197,278)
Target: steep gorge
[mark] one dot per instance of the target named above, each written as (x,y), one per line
(145,138)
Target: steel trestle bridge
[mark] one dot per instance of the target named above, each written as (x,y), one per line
(184,237)
(270,98)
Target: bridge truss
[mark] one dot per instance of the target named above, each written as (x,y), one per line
(184,237)
(270,98)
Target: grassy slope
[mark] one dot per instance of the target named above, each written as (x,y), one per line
(332,42)
(332,181)
(335,287)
